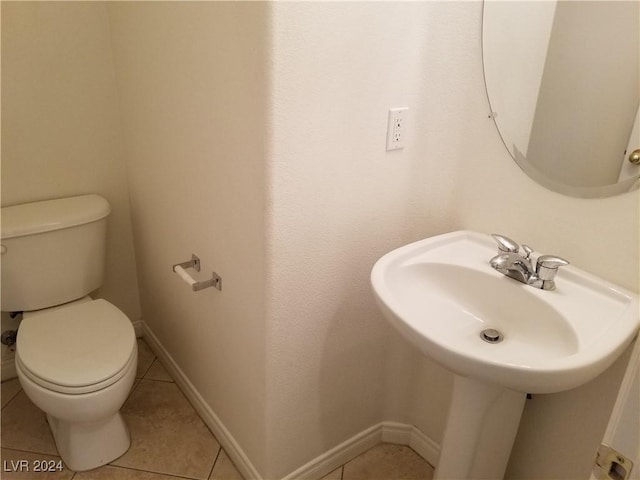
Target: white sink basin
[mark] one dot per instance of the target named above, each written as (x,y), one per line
(440,293)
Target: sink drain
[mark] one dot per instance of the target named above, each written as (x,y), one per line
(491,335)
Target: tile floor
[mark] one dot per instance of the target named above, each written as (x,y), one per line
(168,439)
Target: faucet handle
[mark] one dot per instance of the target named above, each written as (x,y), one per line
(551,261)
(547,268)
(505,244)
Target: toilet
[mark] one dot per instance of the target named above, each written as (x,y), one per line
(76,357)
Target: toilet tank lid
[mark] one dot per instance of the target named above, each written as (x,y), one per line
(48,215)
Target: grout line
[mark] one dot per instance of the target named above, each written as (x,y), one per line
(30,451)
(215,460)
(134,387)
(12,398)
(158,380)
(48,454)
(150,367)
(152,472)
(155,357)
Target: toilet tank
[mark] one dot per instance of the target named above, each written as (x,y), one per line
(53,251)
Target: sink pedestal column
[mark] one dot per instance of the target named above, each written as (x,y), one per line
(481,428)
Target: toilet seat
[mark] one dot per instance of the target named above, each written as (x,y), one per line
(75,390)
(81,348)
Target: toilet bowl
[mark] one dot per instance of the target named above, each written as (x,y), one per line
(77,363)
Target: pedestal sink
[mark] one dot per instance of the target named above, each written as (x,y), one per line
(502,339)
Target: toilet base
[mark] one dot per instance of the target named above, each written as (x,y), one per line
(89,445)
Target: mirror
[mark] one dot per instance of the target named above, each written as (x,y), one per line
(563,83)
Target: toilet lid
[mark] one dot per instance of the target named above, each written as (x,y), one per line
(76,346)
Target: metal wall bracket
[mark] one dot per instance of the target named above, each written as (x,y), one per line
(179,268)
(215,281)
(193,263)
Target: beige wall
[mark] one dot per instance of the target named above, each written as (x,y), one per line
(193,91)
(60,122)
(341,201)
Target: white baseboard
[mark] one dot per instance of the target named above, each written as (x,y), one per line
(384,432)
(138,327)
(403,434)
(338,455)
(387,432)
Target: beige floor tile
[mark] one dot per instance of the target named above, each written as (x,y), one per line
(24,427)
(145,358)
(9,390)
(224,469)
(335,475)
(388,462)
(36,466)
(167,436)
(118,473)
(158,372)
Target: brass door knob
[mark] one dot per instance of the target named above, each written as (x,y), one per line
(635,157)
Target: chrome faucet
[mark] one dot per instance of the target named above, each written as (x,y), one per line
(539,273)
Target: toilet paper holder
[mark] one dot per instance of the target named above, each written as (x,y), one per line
(180,269)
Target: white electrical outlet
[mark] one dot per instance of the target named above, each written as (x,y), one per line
(396,128)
